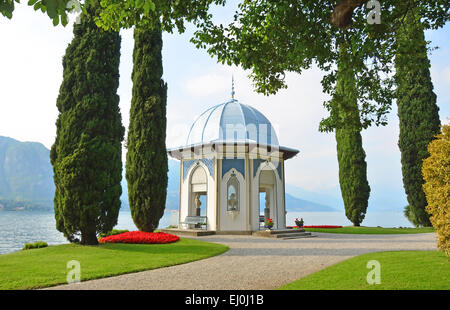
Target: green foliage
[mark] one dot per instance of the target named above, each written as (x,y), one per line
(291,36)
(112,232)
(56,9)
(35,245)
(436,173)
(146,166)
(417,111)
(146,13)
(7,7)
(355,188)
(268,222)
(86,155)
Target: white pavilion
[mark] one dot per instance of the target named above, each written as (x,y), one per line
(231,156)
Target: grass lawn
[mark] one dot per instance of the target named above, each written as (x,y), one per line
(372,230)
(48,266)
(400,270)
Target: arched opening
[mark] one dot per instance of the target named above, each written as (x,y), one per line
(198,193)
(267,197)
(233,203)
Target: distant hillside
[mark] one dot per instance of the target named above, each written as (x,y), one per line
(26,176)
(26,181)
(173,187)
(297,204)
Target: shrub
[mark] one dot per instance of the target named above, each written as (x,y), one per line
(35,245)
(112,233)
(436,173)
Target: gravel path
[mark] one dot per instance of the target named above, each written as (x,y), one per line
(246,264)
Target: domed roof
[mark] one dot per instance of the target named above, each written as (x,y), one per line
(232,121)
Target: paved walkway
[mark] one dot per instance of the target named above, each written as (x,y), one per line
(252,260)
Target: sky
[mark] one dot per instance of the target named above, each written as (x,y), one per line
(31,54)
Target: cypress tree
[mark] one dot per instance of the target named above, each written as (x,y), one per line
(146,166)
(417,111)
(86,155)
(355,188)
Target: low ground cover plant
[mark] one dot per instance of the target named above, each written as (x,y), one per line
(140,237)
(35,245)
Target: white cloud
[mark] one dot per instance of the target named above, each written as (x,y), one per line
(31,71)
(206,85)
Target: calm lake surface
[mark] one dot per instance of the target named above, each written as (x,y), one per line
(20,227)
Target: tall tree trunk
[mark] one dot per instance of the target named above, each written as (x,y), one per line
(146,167)
(417,111)
(355,188)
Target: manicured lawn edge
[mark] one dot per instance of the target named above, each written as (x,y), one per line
(399,270)
(45,267)
(372,230)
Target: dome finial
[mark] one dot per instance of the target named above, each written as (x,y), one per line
(232,87)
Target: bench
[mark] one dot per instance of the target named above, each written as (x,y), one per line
(198,221)
(262,219)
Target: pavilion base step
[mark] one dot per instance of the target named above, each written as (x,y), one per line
(298,236)
(188,232)
(283,233)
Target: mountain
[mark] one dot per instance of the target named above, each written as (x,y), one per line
(329,197)
(26,176)
(26,181)
(173,187)
(297,204)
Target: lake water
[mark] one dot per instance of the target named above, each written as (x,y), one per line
(20,227)
(383,219)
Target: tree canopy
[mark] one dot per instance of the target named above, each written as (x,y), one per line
(56,9)
(146,166)
(271,38)
(290,36)
(418,112)
(146,13)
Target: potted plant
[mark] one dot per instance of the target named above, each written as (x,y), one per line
(299,223)
(268,223)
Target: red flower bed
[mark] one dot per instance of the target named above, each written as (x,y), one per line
(140,237)
(322,226)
